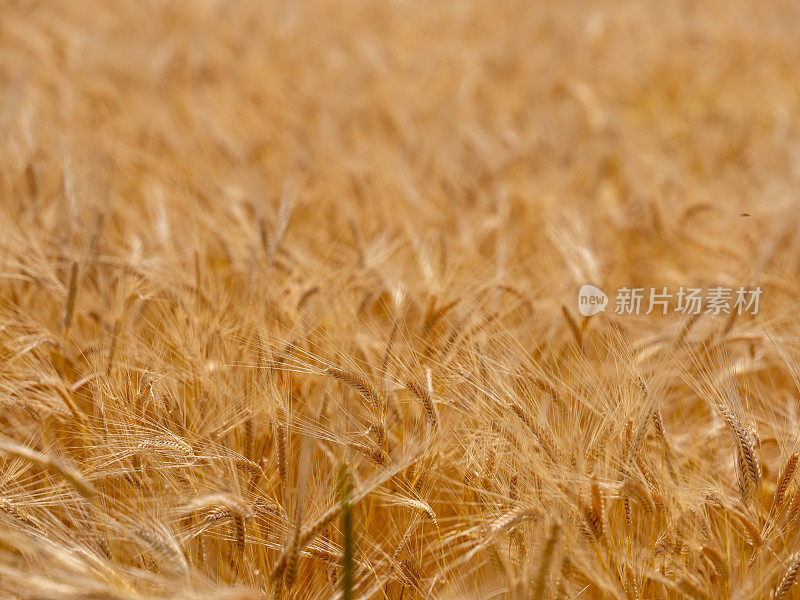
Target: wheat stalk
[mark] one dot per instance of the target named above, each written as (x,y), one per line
(540,581)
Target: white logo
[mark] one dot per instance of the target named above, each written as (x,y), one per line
(591,300)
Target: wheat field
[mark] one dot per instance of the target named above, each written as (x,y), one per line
(289,299)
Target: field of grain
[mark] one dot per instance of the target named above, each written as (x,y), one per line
(289,299)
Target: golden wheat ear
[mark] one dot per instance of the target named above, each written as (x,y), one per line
(360,384)
(424,396)
(789,578)
(72,292)
(783,483)
(73,477)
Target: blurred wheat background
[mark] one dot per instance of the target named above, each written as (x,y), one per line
(288,299)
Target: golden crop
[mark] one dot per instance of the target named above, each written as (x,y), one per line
(288,299)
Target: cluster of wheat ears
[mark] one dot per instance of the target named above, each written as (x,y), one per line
(288,300)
